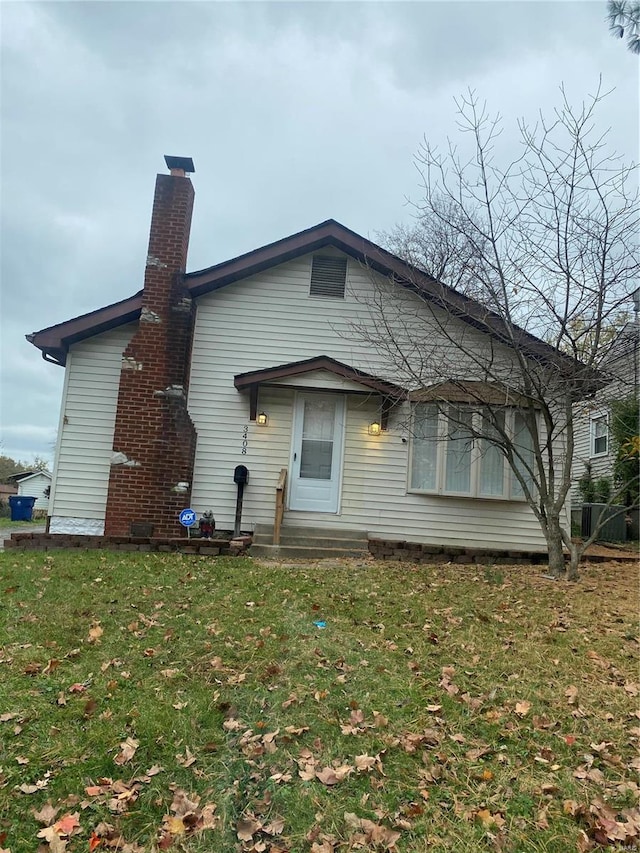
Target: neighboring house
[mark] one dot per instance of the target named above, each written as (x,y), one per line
(254,362)
(34,484)
(6,490)
(594,453)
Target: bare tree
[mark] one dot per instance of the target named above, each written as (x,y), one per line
(443,252)
(550,247)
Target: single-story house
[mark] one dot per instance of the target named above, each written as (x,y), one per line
(34,484)
(260,361)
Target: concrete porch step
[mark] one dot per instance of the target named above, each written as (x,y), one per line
(299,552)
(312,532)
(301,539)
(309,542)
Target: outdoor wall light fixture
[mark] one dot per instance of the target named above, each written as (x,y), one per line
(375,428)
(262,419)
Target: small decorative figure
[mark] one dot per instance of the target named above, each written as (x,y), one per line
(207,524)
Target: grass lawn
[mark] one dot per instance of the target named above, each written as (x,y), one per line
(152,702)
(21,525)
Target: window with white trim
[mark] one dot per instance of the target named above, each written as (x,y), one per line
(328,276)
(599,435)
(452,452)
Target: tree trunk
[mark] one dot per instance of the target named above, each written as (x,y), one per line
(574,558)
(553,535)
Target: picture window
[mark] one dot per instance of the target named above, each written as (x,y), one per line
(452,452)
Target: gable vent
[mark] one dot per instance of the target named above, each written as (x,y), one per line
(328,276)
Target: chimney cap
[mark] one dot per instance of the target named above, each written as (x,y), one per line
(181,164)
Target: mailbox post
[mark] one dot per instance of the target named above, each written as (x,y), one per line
(240,478)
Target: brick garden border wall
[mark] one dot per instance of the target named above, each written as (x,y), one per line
(381,549)
(385,549)
(204,547)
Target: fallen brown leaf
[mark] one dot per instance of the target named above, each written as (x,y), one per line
(127,751)
(332,776)
(95,632)
(246,828)
(46,814)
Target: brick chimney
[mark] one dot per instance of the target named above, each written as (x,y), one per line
(154,439)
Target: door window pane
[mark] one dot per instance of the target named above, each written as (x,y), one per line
(424,452)
(458,454)
(491,457)
(316,453)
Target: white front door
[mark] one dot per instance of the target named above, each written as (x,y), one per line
(316,453)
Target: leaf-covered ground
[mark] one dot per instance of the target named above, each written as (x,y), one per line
(152,702)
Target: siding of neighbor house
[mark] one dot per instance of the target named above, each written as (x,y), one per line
(624,368)
(601,466)
(34,487)
(268,320)
(85,436)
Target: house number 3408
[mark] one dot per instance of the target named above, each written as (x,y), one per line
(245,439)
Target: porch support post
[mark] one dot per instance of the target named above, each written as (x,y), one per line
(253,402)
(384,412)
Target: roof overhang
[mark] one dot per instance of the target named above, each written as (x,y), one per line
(55,341)
(250,382)
(379,260)
(466,391)
(27,475)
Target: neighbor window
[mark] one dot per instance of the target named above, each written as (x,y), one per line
(599,435)
(452,452)
(328,276)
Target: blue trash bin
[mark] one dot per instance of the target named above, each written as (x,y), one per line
(21,507)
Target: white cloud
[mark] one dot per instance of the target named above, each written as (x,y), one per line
(293,112)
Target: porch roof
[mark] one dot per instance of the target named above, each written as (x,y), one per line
(252,380)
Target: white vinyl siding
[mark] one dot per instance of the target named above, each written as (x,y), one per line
(322,380)
(269,320)
(34,487)
(85,442)
(622,364)
(583,458)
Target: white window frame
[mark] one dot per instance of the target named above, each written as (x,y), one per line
(597,418)
(512,491)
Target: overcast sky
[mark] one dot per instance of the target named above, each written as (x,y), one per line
(292,112)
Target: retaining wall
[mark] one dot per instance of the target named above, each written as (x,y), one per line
(383,549)
(204,547)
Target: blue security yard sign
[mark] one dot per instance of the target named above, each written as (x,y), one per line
(187,517)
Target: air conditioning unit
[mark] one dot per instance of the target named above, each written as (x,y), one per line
(612,518)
